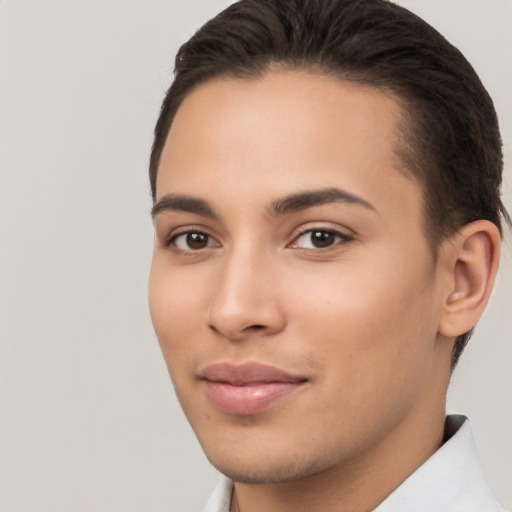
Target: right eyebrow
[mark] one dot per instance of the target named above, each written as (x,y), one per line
(183,203)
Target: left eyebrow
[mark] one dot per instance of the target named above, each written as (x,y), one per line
(308,199)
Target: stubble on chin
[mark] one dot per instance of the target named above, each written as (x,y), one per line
(244,472)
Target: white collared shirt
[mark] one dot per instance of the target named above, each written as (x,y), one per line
(452,480)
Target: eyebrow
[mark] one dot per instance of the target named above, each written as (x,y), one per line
(308,199)
(292,203)
(179,203)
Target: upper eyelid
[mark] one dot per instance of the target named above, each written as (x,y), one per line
(337,232)
(186,228)
(323,228)
(342,231)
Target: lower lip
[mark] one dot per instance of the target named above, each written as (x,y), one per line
(248,399)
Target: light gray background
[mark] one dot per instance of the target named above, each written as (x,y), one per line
(89,421)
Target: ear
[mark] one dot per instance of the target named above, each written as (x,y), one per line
(471,259)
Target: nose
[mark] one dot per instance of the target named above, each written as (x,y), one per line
(246,301)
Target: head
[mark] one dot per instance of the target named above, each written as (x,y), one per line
(450,138)
(347,176)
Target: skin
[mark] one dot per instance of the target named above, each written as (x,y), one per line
(368,320)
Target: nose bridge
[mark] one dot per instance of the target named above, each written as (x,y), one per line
(246,298)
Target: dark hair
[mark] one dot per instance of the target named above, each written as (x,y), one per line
(451,137)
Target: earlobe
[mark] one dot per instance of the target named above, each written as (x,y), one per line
(471,259)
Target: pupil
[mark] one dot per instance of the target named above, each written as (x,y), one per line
(197,240)
(322,238)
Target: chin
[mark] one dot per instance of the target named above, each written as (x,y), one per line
(267,471)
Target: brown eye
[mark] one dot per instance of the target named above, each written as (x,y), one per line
(319,239)
(193,241)
(197,240)
(322,238)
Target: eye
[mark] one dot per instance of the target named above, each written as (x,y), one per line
(319,239)
(192,241)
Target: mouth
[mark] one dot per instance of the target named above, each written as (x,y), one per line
(248,388)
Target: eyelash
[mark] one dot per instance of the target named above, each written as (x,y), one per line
(343,238)
(170,242)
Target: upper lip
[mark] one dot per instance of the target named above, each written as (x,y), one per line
(247,373)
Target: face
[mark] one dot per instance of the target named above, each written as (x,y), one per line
(292,289)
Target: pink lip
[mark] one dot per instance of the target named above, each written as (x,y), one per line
(248,388)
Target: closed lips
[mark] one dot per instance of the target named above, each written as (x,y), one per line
(247,373)
(249,388)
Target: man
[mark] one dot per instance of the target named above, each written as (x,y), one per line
(326,181)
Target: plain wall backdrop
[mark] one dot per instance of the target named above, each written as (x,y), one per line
(89,421)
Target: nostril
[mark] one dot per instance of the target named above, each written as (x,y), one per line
(255,327)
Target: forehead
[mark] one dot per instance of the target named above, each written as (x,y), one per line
(285,131)
(293,104)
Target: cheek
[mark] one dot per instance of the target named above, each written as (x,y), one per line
(368,320)
(176,311)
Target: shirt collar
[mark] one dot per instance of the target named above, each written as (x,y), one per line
(452,480)
(220,499)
